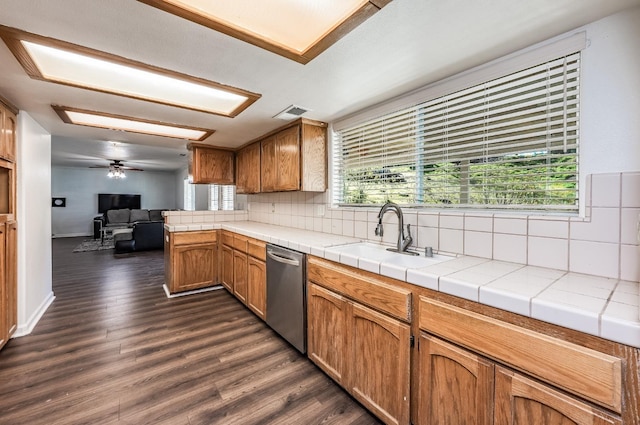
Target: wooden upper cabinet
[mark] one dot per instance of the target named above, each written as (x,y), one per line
(248,169)
(7,134)
(294,158)
(281,161)
(211,165)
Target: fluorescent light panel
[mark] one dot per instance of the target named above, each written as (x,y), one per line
(65,63)
(134,125)
(297,29)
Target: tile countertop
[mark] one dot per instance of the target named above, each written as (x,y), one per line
(599,306)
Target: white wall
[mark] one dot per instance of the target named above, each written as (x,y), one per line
(81,187)
(610,96)
(34,222)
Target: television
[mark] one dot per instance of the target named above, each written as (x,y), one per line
(110,201)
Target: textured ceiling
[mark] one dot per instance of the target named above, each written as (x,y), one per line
(406,45)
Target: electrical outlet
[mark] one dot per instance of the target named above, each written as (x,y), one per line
(320,210)
(638,229)
(273,207)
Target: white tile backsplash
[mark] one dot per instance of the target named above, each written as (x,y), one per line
(605,190)
(594,258)
(548,252)
(554,241)
(631,190)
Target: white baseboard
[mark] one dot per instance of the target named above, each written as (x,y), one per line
(27,328)
(70,235)
(195,291)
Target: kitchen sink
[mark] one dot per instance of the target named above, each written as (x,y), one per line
(379,253)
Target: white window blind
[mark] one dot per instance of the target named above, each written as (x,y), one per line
(221,197)
(508,143)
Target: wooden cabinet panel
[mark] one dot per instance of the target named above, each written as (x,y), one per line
(227,267)
(240,275)
(4,334)
(257,287)
(190,260)
(194,266)
(367,288)
(455,385)
(211,165)
(327,331)
(379,376)
(240,243)
(522,401)
(248,169)
(257,249)
(11,278)
(585,372)
(288,159)
(313,158)
(268,167)
(7,134)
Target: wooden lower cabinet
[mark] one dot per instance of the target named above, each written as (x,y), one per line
(380,368)
(523,401)
(240,275)
(226,260)
(257,287)
(364,351)
(327,331)
(4,334)
(455,385)
(244,272)
(8,281)
(191,260)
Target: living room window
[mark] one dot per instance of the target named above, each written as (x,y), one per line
(189,194)
(221,197)
(507,143)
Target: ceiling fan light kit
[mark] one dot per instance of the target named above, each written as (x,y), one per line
(116,173)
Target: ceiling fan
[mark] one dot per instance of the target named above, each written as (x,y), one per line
(116,169)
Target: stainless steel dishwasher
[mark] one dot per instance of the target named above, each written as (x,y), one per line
(286,295)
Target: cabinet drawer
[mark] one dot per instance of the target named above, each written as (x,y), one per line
(188,238)
(257,249)
(227,238)
(363,287)
(240,243)
(583,371)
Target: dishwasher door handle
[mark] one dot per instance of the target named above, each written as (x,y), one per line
(282,259)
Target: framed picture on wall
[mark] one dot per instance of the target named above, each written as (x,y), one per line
(58,202)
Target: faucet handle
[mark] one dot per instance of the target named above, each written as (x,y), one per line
(408,226)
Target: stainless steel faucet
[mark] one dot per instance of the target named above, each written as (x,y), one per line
(403,241)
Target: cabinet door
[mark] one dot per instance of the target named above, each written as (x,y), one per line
(522,401)
(288,159)
(268,170)
(212,166)
(257,287)
(248,169)
(194,266)
(227,268)
(11,274)
(8,136)
(240,275)
(327,343)
(4,334)
(455,385)
(379,376)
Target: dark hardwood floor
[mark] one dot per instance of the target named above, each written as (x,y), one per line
(113,349)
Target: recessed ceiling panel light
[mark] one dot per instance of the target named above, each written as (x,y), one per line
(134,125)
(297,29)
(65,63)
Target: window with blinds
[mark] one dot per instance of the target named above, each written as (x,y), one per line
(510,143)
(189,198)
(221,197)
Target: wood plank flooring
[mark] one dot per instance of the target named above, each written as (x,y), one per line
(112,349)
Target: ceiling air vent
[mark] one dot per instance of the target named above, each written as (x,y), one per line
(291,112)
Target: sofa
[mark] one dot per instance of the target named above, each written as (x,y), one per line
(126,217)
(144,236)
